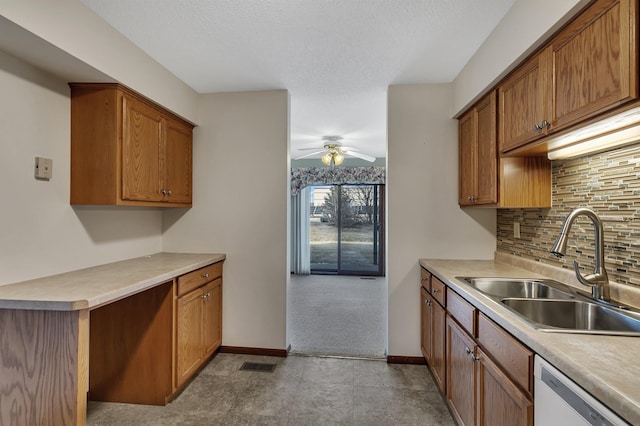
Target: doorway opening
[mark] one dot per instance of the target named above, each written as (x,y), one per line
(346,233)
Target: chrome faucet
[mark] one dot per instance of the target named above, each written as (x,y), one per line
(598,281)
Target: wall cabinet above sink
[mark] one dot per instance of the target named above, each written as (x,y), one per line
(126,150)
(589,68)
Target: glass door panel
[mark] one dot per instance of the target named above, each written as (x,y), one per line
(346,229)
(323,230)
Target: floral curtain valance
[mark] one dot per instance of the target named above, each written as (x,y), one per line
(308,176)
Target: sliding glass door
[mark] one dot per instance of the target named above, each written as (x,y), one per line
(346,229)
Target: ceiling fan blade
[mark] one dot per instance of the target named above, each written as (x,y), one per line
(309,155)
(349,148)
(307,149)
(361,156)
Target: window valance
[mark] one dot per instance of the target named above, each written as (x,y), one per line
(309,176)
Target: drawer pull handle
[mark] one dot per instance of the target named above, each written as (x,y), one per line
(434,291)
(205,275)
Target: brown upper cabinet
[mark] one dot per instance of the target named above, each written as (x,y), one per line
(589,68)
(488,181)
(477,139)
(126,150)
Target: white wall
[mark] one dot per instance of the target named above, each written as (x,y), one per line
(74,29)
(240,201)
(40,233)
(525,26)
(424,220)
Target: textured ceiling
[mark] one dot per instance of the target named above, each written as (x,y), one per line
(336,57)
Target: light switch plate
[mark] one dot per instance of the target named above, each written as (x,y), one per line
(516,229)
(44,168)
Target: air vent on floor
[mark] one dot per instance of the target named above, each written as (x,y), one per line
(367,278)
(258,366)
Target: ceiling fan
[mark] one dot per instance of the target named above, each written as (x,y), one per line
(335,152)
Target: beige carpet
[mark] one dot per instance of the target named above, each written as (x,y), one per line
(337,315)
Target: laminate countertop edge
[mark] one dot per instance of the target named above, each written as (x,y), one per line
(96,286)
(605,366)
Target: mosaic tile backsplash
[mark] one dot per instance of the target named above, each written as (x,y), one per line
(609,183)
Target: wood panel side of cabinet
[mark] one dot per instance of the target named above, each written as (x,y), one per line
(499,401)
(525,182)
(595,62)
(95,123)
(131,348)
(43,368)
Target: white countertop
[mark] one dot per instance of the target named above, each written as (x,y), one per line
(606,366)
(92,287)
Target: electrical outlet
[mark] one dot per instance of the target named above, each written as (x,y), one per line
(516,229)
(44,168)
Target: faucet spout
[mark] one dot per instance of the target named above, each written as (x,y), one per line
(598,281)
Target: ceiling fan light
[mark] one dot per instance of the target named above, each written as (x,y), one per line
(326,159)
(338,159)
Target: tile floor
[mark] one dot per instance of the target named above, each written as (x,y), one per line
(301,391)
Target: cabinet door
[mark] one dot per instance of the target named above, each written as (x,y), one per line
(594,61)
(438,344)
(461,368)
(486,146)
(467,158)
(189,335)
(212,317)
(142,138)
(524,103)
(177,163)
(425,324)
(499,401)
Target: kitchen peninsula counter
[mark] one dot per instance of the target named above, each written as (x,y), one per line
(98,285)
(131,309)
(605,366)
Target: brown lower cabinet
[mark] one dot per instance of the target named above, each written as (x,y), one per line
(145,347)
(485,374)
(432,335)
(199,328)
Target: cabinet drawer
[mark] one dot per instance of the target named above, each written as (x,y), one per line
(462,311)
(195,279)
(512,356)
(438,290)
(425,279)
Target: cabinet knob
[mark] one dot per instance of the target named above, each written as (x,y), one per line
(467,350)
(205,275)
(435,290)
(169,193)
(163,192)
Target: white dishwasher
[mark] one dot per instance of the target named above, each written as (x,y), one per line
(559,401)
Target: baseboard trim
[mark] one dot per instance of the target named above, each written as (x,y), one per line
(415,360)
(242,350)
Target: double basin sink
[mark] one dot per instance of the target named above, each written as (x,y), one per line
(555,307)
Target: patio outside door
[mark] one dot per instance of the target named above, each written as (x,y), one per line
(346,230)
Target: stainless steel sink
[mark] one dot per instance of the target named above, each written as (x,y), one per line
(521,288)
(577,316)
